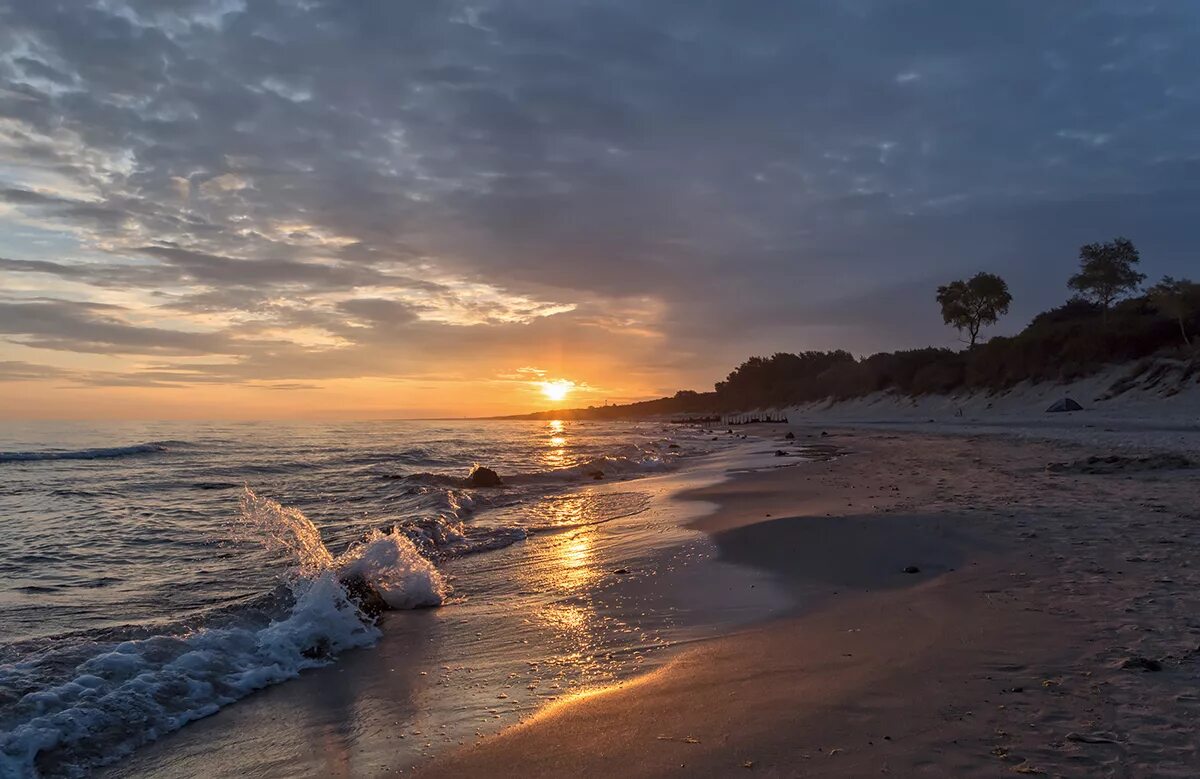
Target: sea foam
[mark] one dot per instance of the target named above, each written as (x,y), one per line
(129,693)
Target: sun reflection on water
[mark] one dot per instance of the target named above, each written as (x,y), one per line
(555,455)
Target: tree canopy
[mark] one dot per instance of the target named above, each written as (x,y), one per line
(1107,271)
(1178,299)
(975,303)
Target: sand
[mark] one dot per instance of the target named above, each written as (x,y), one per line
(1018,647)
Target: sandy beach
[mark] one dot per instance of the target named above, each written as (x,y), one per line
(1050,629)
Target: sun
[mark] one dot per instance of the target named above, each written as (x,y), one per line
(558,389)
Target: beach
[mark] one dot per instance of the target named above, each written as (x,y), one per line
(816,599)
(1025,643)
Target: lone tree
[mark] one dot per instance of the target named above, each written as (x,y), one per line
(972,304)
(1106,272)
(1178,299)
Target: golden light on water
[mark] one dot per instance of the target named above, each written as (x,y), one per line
(556,452)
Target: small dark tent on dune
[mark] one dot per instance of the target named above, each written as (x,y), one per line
(1066,404)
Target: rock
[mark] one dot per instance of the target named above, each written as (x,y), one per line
(1090,738)
(1138,663)
(1115,463)
(780,453)
(370,603)
(824,434)
(911,569)
(673,446)
(596,474)
(621,571)
(483,477)
(790,436)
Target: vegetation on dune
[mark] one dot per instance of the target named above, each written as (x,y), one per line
(1106,323)
(973,304)
(1107,272)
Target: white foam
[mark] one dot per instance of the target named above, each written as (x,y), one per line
(132,693)
(393,566)
(138,690)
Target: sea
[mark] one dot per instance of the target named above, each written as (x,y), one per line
(152,574)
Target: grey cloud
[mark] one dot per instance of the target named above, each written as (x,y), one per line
(83,327)
(18,370)
(751,168)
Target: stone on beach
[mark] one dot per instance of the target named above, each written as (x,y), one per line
(1139,663)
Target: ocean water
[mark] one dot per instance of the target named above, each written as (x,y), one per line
(152,574)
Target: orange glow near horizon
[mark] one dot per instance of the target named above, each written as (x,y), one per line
(557,390)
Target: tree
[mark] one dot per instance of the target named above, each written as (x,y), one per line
(972,304)
(1106,272)
(1178,299)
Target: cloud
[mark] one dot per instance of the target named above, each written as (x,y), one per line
(85,327)
(289,192)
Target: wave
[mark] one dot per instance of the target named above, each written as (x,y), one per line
(99,453)
(604,467)
(130,693)
(68,715)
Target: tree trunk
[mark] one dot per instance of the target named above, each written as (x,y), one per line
(1183,331)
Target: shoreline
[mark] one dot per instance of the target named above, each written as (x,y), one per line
(577,608)
(1014,656)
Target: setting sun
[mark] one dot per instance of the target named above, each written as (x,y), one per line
(557,390)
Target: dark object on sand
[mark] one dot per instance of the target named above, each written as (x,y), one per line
(1137,663)
(780,453)
(370,603)
(911,569)
(1065,404)
(790,436)
(483,477)
(1116,463)
(621,571)
(673,446)
(596,474)
(824,434)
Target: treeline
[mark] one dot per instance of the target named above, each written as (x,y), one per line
(1110,319)
(1063,344)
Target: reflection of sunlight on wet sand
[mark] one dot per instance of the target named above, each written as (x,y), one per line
(567,566)
(578,570)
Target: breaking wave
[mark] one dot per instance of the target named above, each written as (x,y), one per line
(67,710)
(100,453)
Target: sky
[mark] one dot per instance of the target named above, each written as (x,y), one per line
(356,208)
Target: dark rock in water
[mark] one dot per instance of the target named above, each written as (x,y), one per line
(1138,663)
(370,603)
(596,474)
(673,446)
(780,453)
(911,569)
(790,436)
(621,571)
(824,434)
(484,477)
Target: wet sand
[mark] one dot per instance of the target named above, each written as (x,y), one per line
(1016,648)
